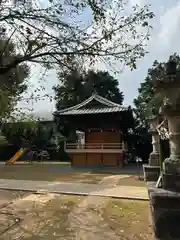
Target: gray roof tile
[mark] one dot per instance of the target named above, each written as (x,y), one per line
(93,111)
(80,109)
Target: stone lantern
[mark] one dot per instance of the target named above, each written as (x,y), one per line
(154,156)
(152,170)
(169,87)
(165,200)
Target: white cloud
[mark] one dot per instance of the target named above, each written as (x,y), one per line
(169,23)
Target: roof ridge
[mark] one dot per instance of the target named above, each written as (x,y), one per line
(93,111)
(77,105)
(107,102)
(94,96)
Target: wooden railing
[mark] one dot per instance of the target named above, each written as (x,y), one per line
(94,146)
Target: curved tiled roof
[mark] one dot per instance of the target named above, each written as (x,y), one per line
(78,109)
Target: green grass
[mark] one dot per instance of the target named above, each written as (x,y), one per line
(129,219)
(132,181)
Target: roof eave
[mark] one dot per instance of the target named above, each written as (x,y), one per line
(90,113)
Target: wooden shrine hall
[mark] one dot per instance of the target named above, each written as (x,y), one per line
(104,124)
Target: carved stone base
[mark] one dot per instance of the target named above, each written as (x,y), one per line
(151,173)
(154,159)
(165,210)
(171,182)
(171,165)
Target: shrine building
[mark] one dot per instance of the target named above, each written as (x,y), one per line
(104,124)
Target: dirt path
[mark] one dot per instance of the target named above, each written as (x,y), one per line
(86,218)
(45,215)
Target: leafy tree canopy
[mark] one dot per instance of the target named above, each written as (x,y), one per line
(13,83)
(31,133)
(75,88)
(148,103)
(53,33)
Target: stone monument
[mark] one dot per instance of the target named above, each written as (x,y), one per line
(152,170)
(165,201)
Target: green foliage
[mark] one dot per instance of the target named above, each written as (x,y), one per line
(13,83)
(141,139)
(30,133)
(3,140)
(55,33)
(75,88)
(148,103)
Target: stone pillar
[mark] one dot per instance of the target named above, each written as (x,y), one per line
(154,156)
(174,133)
(171,165)
(152,170)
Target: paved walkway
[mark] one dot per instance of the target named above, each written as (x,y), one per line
(127,192)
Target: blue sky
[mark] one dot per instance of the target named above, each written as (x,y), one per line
(164,41)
